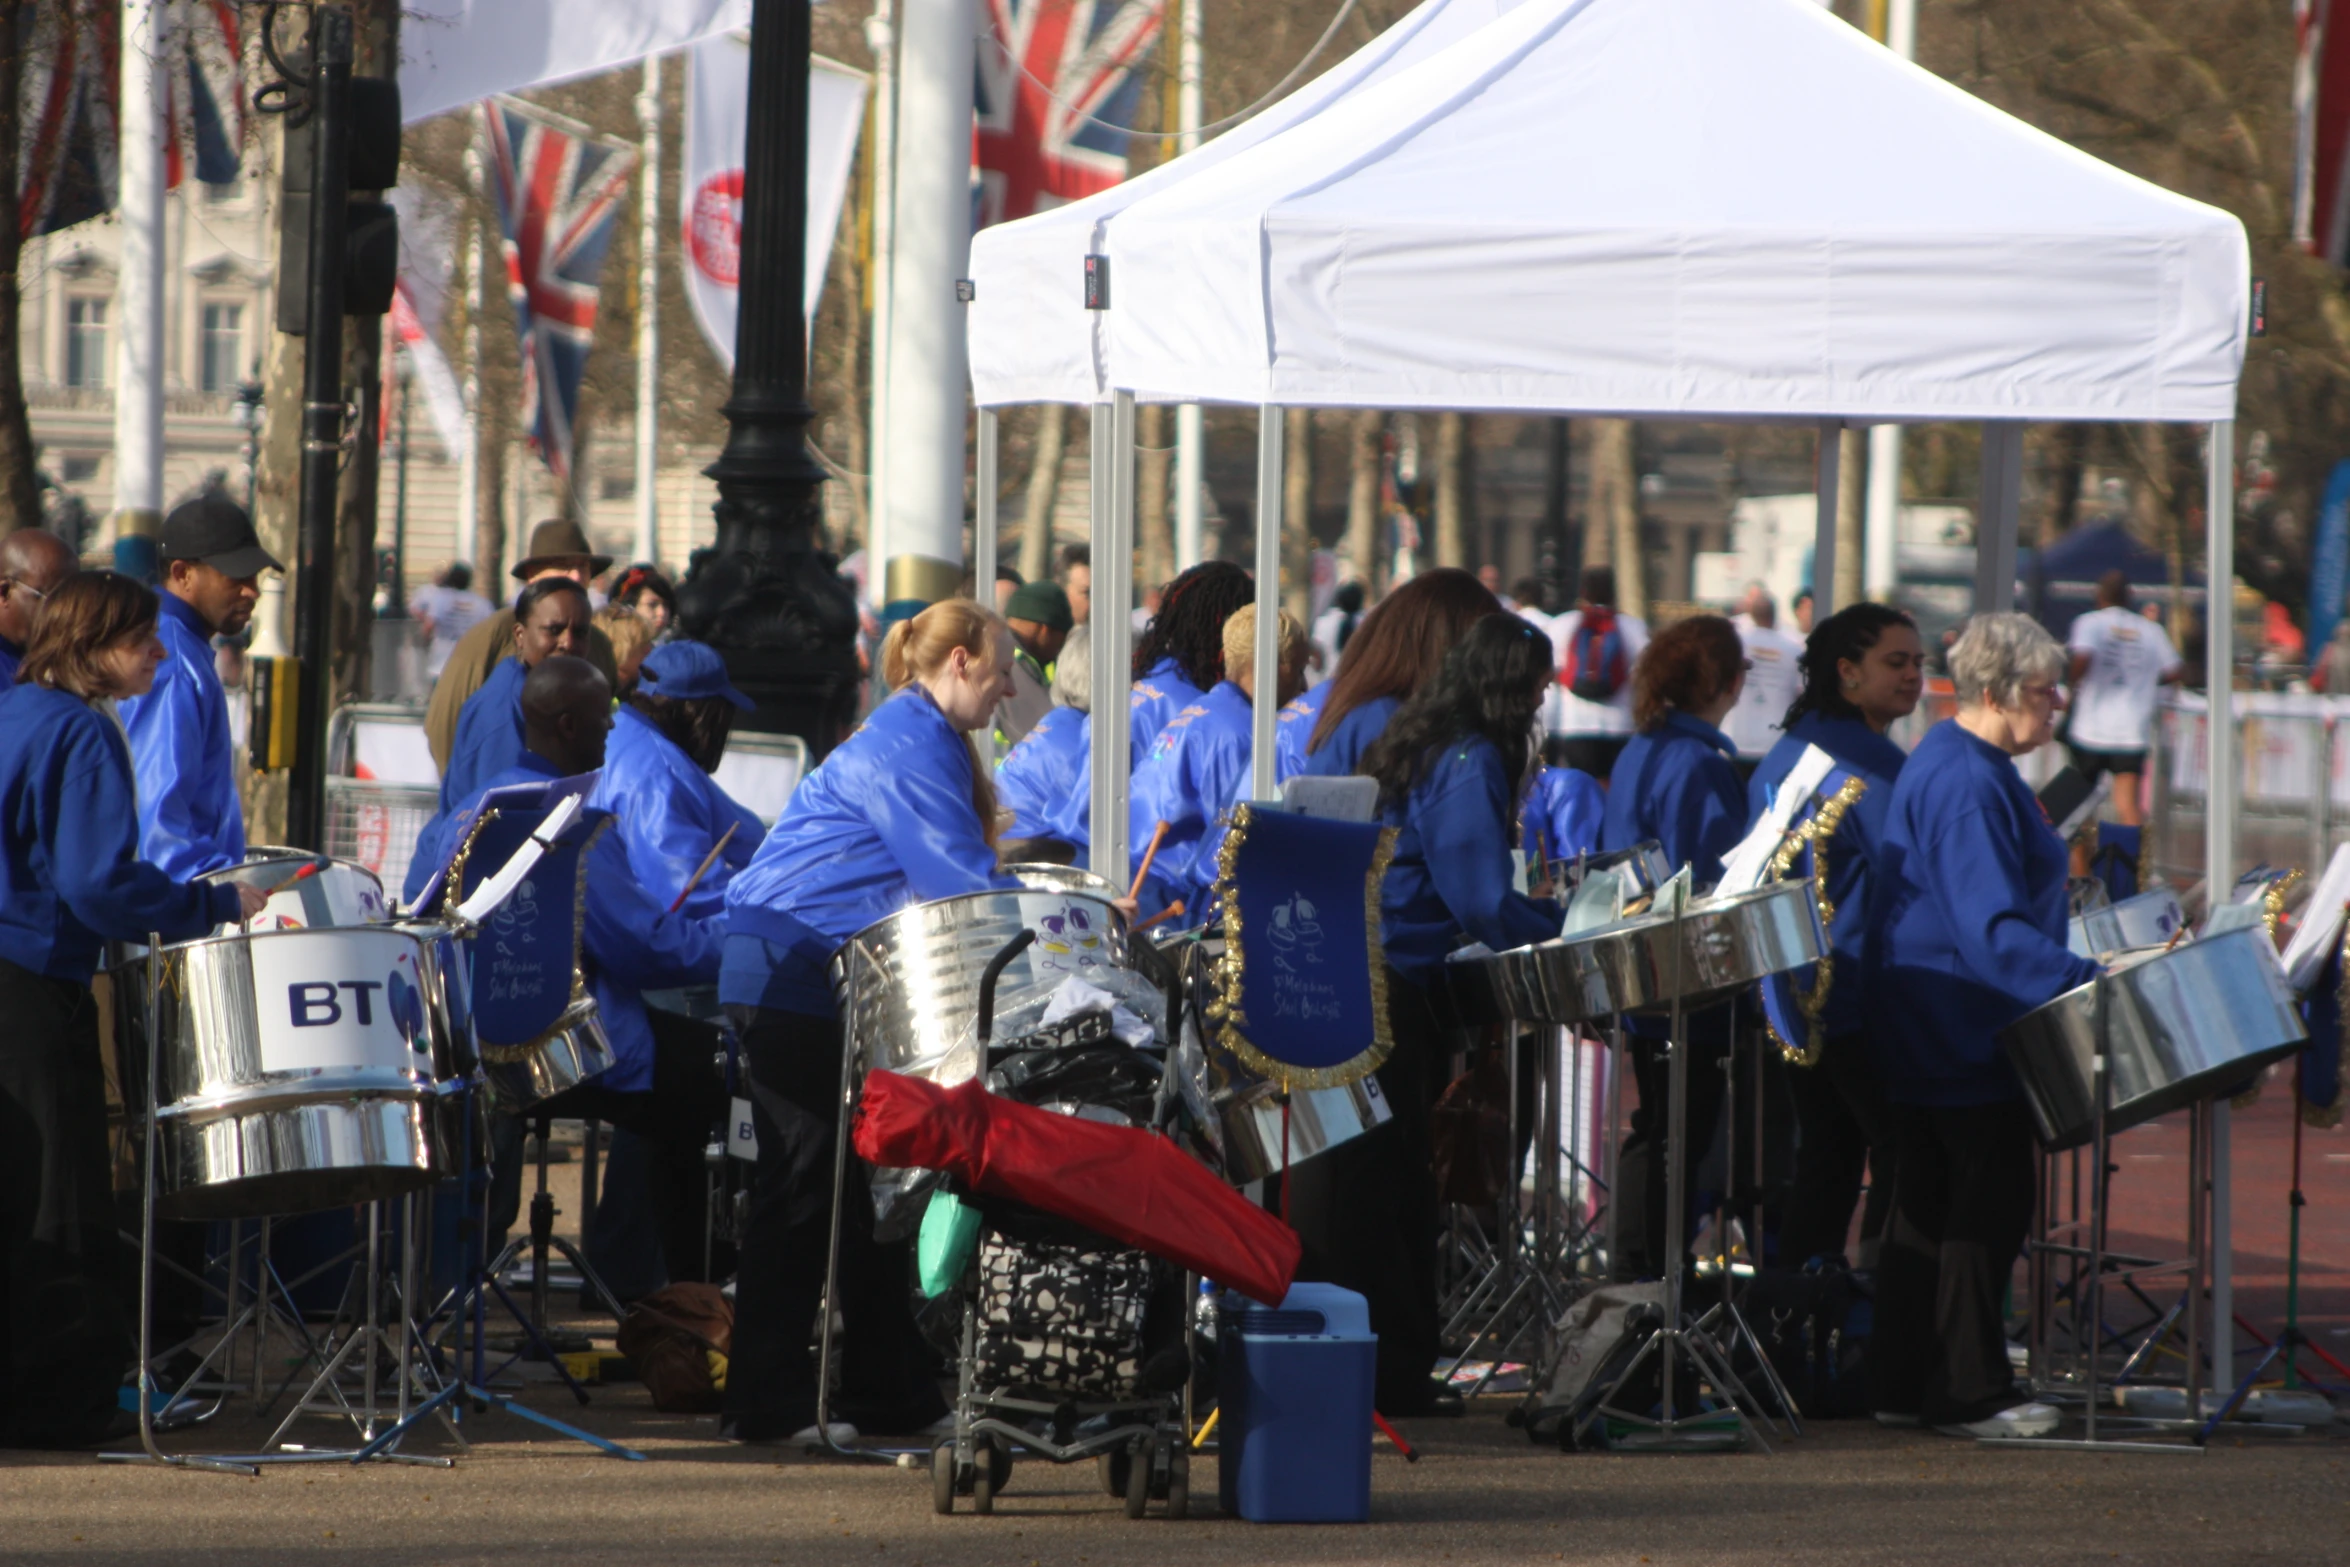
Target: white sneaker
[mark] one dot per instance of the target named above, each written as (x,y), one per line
(841,1432)
(2033,1419)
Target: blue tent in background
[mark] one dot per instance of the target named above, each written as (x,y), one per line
(2061,581)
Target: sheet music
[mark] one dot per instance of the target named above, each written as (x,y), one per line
(1744,867)
(2321,923)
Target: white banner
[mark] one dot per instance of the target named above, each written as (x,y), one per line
(454,53)
(710,198)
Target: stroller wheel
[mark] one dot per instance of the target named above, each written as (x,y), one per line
(942,1478)
(983,1475)
(1178,1481)
(999,1463)
(1138,1480)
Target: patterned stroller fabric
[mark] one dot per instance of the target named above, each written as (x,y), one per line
(1061,1320)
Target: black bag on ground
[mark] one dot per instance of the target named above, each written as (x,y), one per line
(1814,1324)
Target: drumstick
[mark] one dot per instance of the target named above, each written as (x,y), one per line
(1169,912)
(703,869)
(1148,855)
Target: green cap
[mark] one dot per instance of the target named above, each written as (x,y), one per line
(1043,603)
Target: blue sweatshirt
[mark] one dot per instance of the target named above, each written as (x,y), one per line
(1565,808)
(69,843)
(489,734)
(1969,920)
(1452,873)
(1852,852)
(190,819)
(669,815)
(1036,777)
(1198,767)
(1293,727)
(1341,755)
(1678,784)
(884,822)
(11,655)
(1159,695)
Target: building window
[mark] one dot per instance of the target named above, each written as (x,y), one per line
(78,468)
(85,342)
(224,346)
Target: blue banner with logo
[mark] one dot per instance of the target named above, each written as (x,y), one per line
(525,954)
(1302,984)
(2329,564)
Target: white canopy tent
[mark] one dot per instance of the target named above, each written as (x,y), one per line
(1657,208)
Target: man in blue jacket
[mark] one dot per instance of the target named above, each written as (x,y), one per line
(190,819)
(32,563)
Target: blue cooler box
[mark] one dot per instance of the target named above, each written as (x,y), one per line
(1294,1387)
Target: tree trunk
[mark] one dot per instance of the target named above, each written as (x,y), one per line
(1615,512)
(1297,511)
(1452,497)
(1154,526)
(1044,492)
(20,496)
(1362,500)
(1851,486)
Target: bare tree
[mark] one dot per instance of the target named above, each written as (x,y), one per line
(20,495)
(1452,509)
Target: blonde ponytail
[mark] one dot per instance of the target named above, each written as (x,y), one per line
(918,648)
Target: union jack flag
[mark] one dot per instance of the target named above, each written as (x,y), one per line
(1058,83)
(558,190)
(205,96)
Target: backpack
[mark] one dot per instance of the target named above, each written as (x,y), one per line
(1595,665)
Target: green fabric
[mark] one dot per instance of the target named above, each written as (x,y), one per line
(950,1233)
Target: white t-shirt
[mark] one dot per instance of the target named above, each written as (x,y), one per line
(1753,725)
(1563,712)
(2113,705)
(453,612)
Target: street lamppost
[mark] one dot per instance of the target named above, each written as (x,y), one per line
(248,418)
(766,595)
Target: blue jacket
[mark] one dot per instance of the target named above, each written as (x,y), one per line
(886,821)
(1159,695)
(670,814)
(1034,779)
(1293,727)
(1452,872)
(1970,916)
(69,843)
(190,819)
(1565,807)
(629,942)
(489,734)
(1341,755)
(1852,852)
(1198,767)
(11,656)
(1678,784)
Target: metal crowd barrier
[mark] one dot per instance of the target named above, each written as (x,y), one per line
(2293,799)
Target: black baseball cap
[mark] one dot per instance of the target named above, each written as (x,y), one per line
(215,531)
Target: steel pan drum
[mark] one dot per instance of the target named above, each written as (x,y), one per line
(1725,944)
(1642,869)
(339,895)
(2148,920)
(296,1070)
(2180,1026)
(1044,877)
(912,994)
(457,1079)
(573,1051)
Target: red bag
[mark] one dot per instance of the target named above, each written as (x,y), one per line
(1134,1187)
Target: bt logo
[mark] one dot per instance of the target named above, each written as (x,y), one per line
(317,1005)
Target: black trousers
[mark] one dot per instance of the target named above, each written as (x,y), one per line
(1641,1182)
(67,1339)
(1842,1131)
(886,1380)
(1367,1210)
(1960,1214)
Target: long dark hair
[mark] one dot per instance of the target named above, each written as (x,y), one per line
(1401,644)
(1847,634)
(1189,627)
(698,726)
(1492,684)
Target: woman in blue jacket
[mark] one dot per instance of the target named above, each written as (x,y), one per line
(1863,669)
(1969,936)
(1451,768)
(1676,782)
(1050,763)
(903,812)
(69,839)
(1180,655)
(551,617)
(1396,651)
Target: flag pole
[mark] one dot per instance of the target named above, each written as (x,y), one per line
(648,320)
(138,398)
(1190,441)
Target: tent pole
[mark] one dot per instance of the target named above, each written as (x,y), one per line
(1271,468)
(2219,838)
(1998,506)
(1112,630)
(1829,479)
(983,510)
(1881,531)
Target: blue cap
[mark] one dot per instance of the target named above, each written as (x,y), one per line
(684,671)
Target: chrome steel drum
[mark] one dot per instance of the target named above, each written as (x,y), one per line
(1044,877)
(909,984)
(2180,1026)
(1642,869)
(458,1090)
(295,1070)
(1496,987)
(567,1055)
(338,895)
(1724,945)
(2148,920)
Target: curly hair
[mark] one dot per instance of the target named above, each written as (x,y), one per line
(1847,634)
(1686,666)
(1491,685)
(1189,627)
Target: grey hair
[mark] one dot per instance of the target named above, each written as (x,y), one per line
(1073,672)
(2000,655)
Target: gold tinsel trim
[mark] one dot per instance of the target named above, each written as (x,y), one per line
(1224,1007)
(1815,834)
(2272,901)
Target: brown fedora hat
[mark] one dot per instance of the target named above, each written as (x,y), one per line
(559,539)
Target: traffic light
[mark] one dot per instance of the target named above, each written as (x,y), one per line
(371,231)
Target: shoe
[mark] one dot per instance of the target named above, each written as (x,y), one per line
(2033,1419)
(840,1431)
(1899,1420)
(755,1435)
